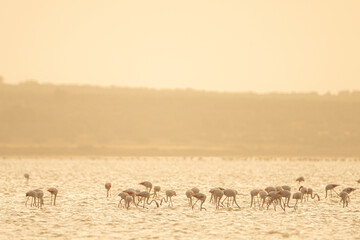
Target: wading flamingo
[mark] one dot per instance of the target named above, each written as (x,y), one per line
(107,187)
(54,192)
(145,196)
(274,197)
(310,192)
(202,198)
(300,179)
(189,194)
(27,176)
(297,197)
(230,193)
(128,200)
(286,195)
(169,195)
(122,196)
(148,185)
(212,195)
(331,188)
(345,199)
(156,190)
(30,194)
(218,194)
(263,194)
(39,197)
(132,192)
(254,193)
(303,191)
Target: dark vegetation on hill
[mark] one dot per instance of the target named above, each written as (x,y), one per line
(45,119)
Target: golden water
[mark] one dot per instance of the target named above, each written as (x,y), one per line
(84,212)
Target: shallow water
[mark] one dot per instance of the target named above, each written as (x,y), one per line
(84,212)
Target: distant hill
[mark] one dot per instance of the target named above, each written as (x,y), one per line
(45,119)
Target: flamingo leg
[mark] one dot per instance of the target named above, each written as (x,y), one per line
(195,203)
(201,207)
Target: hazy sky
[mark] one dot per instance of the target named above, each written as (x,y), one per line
(261,46)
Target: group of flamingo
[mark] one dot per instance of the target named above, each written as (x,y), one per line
(268,196)
(37,195)
(275,196)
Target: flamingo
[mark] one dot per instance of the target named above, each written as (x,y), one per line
(202,198)
(123,196)
(189,194)
(128,200)
(331,188)
(263,194)
(132,192)
(287,195)
(27,176)
(169,195)
(195,190)
(300,179)
(145,195)
(230,193)
(39,197)
(254,193)
(345,199)
(54,192)
(156,190)
(148,185)
(30,194)
(303,191)
(274,196)
(107,187)
(310,192)
(297,196)
(212,195)
(218,194)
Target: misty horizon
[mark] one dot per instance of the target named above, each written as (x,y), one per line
(34,81)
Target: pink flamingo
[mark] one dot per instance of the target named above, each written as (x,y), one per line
(145,196)
(218,194)
(107,187)
(189,194)
(27,176)
(54,192)
(254,193)
(230,193)
(169,195)
(331,188)
(300,179)
(202,198)
(156,190)
(122,196)
(30,194)
(345,199)
(297,196)
(148,185)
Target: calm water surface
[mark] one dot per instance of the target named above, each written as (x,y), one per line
(84,212)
